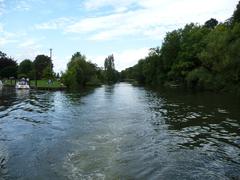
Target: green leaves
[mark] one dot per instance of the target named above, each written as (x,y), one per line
(41,62)
(25,68)
(111,75)
(8,67)
(205,56)
(80,72)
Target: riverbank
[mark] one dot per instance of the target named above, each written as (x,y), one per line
(231,89)
(40,84)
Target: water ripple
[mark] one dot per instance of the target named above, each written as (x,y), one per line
(119,132)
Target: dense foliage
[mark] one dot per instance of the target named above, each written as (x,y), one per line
(203,56)
(8,66)
(26,69)
(43,67)
(111,75)
(40,68)
(81,72)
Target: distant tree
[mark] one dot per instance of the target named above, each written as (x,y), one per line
(80,72)
(211,23)
(2,55)
(204,57)
(111,75)
(8,66)
(47,73)
(170,49)
(57,75)
(9,71)
(41,62)
(236,14)
(26,68)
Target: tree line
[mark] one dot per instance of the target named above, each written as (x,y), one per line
(40,68)
(198,56)
(81,72)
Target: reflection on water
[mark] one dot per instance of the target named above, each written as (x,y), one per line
(119,132)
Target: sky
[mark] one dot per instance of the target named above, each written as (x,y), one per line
(98,28)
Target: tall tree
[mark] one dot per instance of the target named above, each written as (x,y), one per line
(80,72)
(41,62)
(211,23)
(8,66)
(48,73)
(236,14)
(26,68)
(109,67)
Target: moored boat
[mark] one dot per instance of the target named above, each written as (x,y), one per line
(22,84)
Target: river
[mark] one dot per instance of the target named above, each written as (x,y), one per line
(119,132)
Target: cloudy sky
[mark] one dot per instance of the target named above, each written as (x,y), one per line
(98,28)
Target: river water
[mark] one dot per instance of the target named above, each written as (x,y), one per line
(119,132)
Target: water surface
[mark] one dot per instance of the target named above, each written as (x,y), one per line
(119,132)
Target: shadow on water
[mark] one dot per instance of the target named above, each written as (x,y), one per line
(109,89)
(75,95)
(119,132)
(204,122)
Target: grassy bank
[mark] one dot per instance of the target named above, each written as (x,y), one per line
(41,84)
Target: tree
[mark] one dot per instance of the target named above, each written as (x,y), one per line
(211,23)
(47,73)
(111,75)
(170,49)
(41,62)
(80,72)
(8,66)
(236,15)
(197,56)
(25,68)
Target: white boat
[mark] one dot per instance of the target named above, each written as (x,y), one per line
(22,84)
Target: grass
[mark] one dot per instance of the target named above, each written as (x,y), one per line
(44,84)
(41,84)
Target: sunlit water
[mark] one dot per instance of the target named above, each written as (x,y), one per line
(119,132)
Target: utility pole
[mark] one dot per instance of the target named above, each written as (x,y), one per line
(50,53)
(51,59)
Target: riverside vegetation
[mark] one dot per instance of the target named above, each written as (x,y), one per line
(197,56)
(79,73)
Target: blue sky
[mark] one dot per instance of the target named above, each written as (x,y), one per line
(98,28)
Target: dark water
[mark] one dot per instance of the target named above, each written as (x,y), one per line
(119,132)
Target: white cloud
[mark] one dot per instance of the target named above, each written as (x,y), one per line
(60,63)
(93,24)
(2,7)
(96,4)
(1,28)
(26,53)
(154,16)
(129,58)
(30,43)
(23,5)
(29,48)
(6,37)
(123,59)
(58,23)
